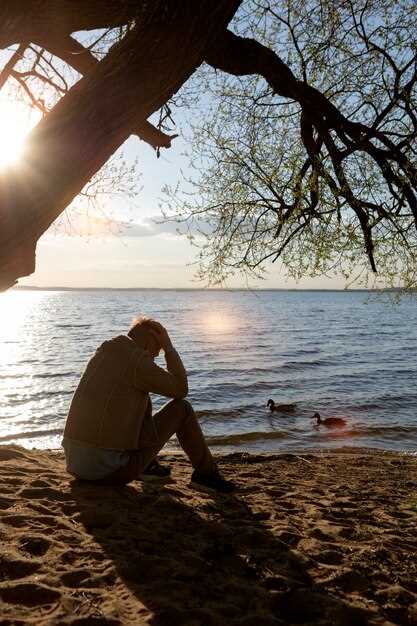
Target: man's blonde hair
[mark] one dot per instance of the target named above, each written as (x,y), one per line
(139,323)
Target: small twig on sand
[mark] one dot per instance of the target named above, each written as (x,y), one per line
(303,459)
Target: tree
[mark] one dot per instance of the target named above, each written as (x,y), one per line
(317,171)
(163,44)
(339,177)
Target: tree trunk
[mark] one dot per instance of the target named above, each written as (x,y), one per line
(96,116)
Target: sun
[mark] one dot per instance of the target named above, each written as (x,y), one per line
(15,123)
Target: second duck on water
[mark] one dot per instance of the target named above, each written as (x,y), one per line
(330,422)
(281,408)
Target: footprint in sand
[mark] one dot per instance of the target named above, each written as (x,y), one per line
(28,594)
(329,557)
(11,567)
(6,503)
(44,493)
(14,481)
(287,505)
(77,578)
(330,533)
(35,523)
(35,546)
(69,508)
(17,521)
(39,483)
(287,536)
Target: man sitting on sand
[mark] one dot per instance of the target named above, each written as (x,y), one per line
(111,436)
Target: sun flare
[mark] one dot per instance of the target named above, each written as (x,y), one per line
(219,323)
(15,124)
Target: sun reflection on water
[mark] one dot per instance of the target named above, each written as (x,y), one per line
(15,308)
(21,400)
(218,323)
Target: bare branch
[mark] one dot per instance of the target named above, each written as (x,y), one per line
(14,59)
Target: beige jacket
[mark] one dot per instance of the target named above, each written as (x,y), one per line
(112,398)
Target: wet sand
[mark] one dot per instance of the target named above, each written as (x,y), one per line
(308,539)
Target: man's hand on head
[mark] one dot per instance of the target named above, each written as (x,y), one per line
(161,335)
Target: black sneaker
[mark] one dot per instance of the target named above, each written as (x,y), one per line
(156,470)
(213,481)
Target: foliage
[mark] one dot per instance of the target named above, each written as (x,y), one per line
(269,182)
(305,142)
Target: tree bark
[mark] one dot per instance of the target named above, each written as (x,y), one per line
(30,19)
(97,115)
(81,59)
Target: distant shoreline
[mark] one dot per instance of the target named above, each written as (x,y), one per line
(208,289)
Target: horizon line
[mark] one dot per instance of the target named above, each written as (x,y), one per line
(61,288)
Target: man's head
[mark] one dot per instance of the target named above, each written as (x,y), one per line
(144,331)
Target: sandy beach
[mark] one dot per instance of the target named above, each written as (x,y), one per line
(307,539)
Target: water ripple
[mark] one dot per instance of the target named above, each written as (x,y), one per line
(322,351)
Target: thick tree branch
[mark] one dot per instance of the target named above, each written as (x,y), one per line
(240,56)
(81,59)
(96,116)
(33,19)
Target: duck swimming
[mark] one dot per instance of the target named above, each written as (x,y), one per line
(283,408)
(330,422)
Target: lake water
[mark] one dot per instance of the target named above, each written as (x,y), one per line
(344,354)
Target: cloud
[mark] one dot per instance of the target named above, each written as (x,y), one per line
(150,227)
(90,225)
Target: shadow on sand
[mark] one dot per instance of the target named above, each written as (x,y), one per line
(185,557)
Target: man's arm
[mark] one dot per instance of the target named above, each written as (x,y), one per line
(171,382)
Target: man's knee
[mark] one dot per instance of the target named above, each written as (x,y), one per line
(182,404)
(182,407)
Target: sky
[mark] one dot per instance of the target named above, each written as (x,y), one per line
(135,249)
(104,251)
